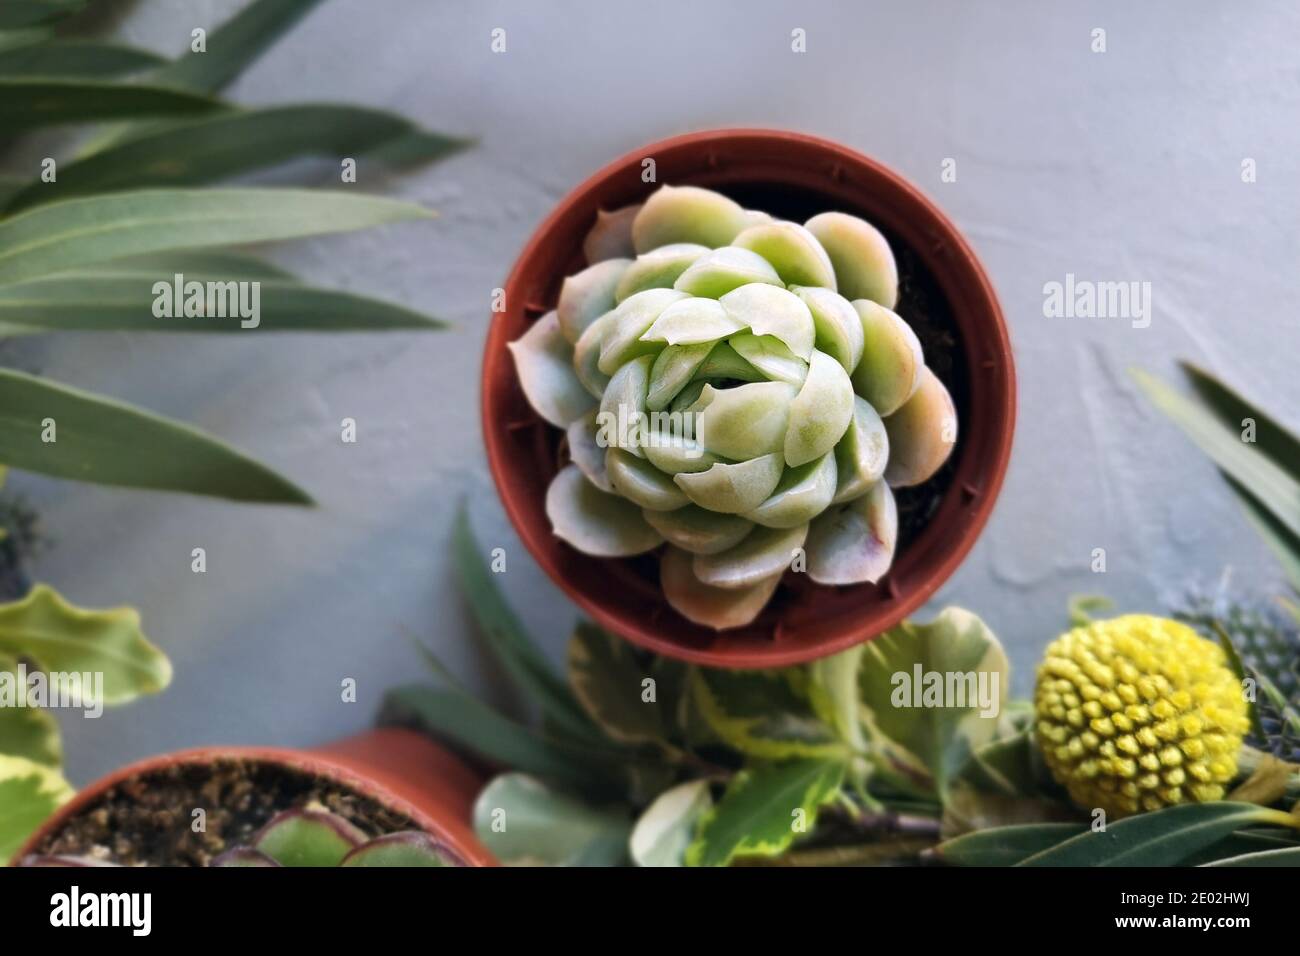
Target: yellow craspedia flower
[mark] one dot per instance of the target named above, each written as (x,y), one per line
(1138,713)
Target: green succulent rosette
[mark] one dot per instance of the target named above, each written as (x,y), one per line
(738,388)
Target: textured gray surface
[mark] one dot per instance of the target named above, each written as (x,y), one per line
(1123,165)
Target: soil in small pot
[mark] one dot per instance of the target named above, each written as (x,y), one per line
(148,820)
(921,303)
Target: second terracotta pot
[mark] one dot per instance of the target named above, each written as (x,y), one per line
(791,176)
(398,768)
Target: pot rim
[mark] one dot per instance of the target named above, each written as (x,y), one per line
(978,499)
(317,762)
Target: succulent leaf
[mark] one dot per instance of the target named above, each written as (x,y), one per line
(307,838)
(803,493)
(692,321)
(793,251)
(641,483)
(407,848)
(699,530)
(862,453)
(820,413)
(657,269)
(837,326)
(632,319)
(771,357)
(587,295)
(717,273)
(687,214)
(770,310)
(762,554)
(733,488)
(544,361)
(594,522)
(921,434)
(890,370)
(747,421)
(854,543)
(611,236)
(864,264)
(586,452)
(718,608)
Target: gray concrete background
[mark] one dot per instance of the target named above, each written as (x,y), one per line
(1123,165)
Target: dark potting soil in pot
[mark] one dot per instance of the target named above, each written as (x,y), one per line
(149,820)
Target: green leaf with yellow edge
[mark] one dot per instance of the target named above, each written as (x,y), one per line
(106,442)
(606,677)
(56,636)
(1160,838)
(28,103)
(71,235)
(29,793)
(760,714)
(26,730)
(898,669)
(765,807)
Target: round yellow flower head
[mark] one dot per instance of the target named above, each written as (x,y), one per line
(1138,713)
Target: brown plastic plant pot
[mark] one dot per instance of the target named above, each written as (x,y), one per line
(793,176)
(402,770)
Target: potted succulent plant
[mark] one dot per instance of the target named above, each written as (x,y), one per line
(388,797)
(753,362)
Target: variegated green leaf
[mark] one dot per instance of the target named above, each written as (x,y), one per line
(764,809)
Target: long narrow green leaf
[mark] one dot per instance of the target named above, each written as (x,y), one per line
(509,640)
(99,440)
(1004,846)
(1284,545)
(219,147)
(200,262)
(234,45)
(11,186)
(1160,838)
(125,301)
(79,232)
(13,39)
(16,14)
(81,58)
(1271,437)
(1271,483)
(28,103)
(474,726)
(1287,857)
